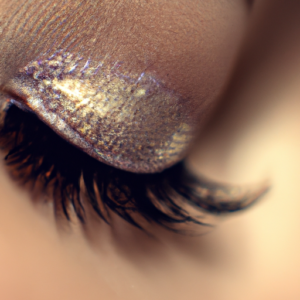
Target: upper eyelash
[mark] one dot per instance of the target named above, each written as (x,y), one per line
(37,154)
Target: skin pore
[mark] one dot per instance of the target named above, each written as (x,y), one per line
(253,136)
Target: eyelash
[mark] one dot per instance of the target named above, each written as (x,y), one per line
(39,156)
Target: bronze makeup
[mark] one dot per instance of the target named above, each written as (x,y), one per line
(127,120)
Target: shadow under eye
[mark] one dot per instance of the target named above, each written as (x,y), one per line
(172,198)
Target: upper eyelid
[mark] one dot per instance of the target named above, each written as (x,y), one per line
(53,20)
(7,86)
(127,120)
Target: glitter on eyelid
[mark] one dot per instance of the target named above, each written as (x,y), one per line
(130,121)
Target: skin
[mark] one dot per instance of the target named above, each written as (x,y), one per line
(187,48)
(253,135)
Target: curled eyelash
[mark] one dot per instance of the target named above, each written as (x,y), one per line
(38,155)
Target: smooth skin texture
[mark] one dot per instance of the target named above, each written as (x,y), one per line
(253,136)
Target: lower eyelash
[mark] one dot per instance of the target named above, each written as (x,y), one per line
(38,155)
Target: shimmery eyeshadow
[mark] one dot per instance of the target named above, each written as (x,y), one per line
(130,121)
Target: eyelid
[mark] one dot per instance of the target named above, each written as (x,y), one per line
(130,121)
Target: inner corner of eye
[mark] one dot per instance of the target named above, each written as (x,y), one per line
(129,121)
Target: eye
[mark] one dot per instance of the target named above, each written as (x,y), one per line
(83,125)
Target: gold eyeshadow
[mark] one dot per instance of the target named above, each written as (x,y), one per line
(127,120)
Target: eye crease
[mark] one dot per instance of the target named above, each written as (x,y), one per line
(130,121)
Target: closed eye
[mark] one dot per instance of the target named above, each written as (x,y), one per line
(185,68)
